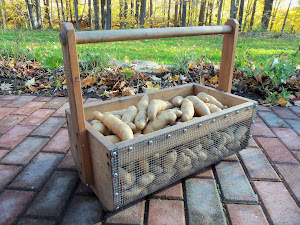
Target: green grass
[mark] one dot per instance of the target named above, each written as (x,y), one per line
(44,46)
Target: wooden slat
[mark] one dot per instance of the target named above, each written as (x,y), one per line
(68,41)
(228,56)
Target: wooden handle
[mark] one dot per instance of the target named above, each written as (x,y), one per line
(68,42)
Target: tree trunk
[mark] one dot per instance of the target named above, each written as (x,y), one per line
(189,17)
(96,15)
(206,14)
(108,15)
(90,13)
(219,12)
(202,13)
(143,12)
(232,8)
(266,14)
(252,16)
(249,4)
(31,14)
(3,14)
(103,14)
(121,13)
(180,11)
(169,13)
(211,5)
(48,14)
(38,14)
(183,23)
(67,9)
(58,13)
(151,13)
(241,13)
(76,14)
(286,15)
(137,12)
(176,14)
(236,7)
(275,13)
(62,10)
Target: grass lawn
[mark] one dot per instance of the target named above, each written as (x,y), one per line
(44,46)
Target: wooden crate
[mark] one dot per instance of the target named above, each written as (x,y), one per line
(102,165)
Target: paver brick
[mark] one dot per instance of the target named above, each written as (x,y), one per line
(295,109)
(20,101)
(166,212)
(49,127)
(234,183)
(253,143)
(25,151)
(37,171)
(285,113)
(37,117)
(261,129)
(84,190)
(53,197)
(9,121)
(67,162)
(246,214)
(173,191)
(61,111)
(263,108)
(257,164)
(278,203)
(131,214)
(295,124)
(276,150)
(14,136)
(288,137)
(297,154)
(233,157)
(31,221)
(94,100)
(204,173)
(9,97)
(55,103)
(29,108)
(83,210)
(291,175)
(59,143)
(42,99)
(7,173)
(6,111)
(3,152)
(4,102)
(203,202)
(272,120)
(12,203)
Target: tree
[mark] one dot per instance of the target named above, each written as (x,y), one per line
(219,11)
(103,14)
(247,13)
(202,13)
(266,14)
(38,14)
(62,10)
(211,5)
(183,23)
(286,15)
(48,15)
(3,14)
(96,15)
(241,13)
(76,14)
(90,13)
(176,13)
(58,13)
(169,13)
(31,14)
(252,16)
(143,12)
(277,3)
(108,14)
(151,13)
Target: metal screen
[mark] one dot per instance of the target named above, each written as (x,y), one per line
(147,166)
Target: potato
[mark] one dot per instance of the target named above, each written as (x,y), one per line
(216,152)
(130,114)
(146,179)
(138,134)
(126,179)
(211,99)
(116,125)
(143,103)
(227,137)
(157,105)
(205,99)
(113,138)
(188,152)
(175,110)
(180,161)
(160,122)
(116,112)
(200,107)
(186,170)
(132,126)
(187,109)
(141,117)
(206,141)
(144,165)
(240,132)
(101,128)
(132,193)
(202,155)
(169,160)
(213,108)
(156,169)
(177,101)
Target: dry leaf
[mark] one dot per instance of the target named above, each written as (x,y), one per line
(129,91)
(258,78)
(32,88)
(88,81)
(214,80)
(161,69)
(112,94)
(64,82)
(192,65)
(282,101)
(150,87)
(30,82)
(5,87)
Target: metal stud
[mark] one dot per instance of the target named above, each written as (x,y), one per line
(150,142)
(250,135)
(115,174)
(116,194)
(255,105)
(226,115)
(213,120)
(199,125)
(114,153)
(253,121)
(237,111)
(169,135)
(248,108)
(117,208)
(184,130)
(130,148)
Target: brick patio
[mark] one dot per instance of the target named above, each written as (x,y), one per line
(40,185)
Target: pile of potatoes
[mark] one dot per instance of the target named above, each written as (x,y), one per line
(151,116)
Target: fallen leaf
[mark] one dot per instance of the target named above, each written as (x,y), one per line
(258,78)
(32,88)
(129,91)
(282,101)
(161,69)
(88,81)
(150,87)
(6,87)
(192,65)
(30,82)
(64,82)
(214,80)
(112,94)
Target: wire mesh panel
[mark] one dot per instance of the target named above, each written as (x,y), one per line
(144,167)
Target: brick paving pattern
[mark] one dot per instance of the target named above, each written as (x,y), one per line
(39,183)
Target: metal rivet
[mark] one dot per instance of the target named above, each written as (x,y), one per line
(169,135)
(250,135)
(116,194)
(184,130)
(114,153)
(237,111)
(253,121)
(248,108)
(226,116)
(199,125)
(150,142)
(117,207)
(115,174)
(255,105)
(213,120)
(130,148)
(87,185)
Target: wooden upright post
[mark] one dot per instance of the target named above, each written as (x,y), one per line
(228,56)
(68,42)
